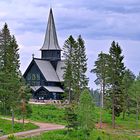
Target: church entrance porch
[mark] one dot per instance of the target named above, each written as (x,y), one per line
(43,94)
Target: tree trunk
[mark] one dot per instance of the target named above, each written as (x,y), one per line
(70,93)
(101,105)
(100,118)
(13,116)
(124,115)
(23,120)
(103,91)
(137,114)
(113,111)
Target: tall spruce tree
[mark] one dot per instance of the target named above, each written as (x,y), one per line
(68,49)
(79,68)
(115,75)
(134,92)
(5,39)
(127,81)
(100,69)
(10,76)
(75,67)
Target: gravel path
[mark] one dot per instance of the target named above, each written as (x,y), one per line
(42,128)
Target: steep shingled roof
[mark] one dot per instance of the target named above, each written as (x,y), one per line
(47,70)
(51,42)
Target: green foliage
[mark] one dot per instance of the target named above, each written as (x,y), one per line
(127,81)
(47,113)
(71,117)
(78,135)
(85,113)
(101,71)
(75,67)
(134,92)
(115,76)
(99,138)
(5,125)
(9,71)
(11,137)
(68,50)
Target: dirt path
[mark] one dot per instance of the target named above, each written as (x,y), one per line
(42,128)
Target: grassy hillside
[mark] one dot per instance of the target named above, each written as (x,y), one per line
(47,113)
(125,129)
(5,126)
(95,135)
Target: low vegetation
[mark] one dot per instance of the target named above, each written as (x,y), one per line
(47,113)
(77,135)
(6,128)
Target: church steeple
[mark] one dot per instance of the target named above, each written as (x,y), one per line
(51,42)
(50,49)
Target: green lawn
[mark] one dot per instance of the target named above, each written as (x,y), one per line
(47,113)
(6,127)
(125,129)
(62,135)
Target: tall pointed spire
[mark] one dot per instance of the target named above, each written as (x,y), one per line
(51,42)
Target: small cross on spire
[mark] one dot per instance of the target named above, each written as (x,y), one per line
(33,55)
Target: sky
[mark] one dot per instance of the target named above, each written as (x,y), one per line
(99,22)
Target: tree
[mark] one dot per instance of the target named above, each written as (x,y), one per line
(79,68)
(23,98)
(9,58)
(127,81)
(85,112)
(115,75)
(135,97)
(68,48)
(71,117)
(5,39)
(75,67)
(100,69)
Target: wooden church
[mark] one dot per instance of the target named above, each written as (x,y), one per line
(45,74)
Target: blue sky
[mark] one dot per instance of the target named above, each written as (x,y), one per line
(99,23)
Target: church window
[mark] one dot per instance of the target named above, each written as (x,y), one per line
(29,76)
(33,77)
(37,76)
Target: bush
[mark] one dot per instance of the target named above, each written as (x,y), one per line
(11,137)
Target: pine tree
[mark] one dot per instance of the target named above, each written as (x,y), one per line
(85,113)
(75,67)
(134,92)
(10,81)
(71,117)
(5,39)
(100,69)
(68,73)
(23,98)
(127,81)
(79,68)
(115,75)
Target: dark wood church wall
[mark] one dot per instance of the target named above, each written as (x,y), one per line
(51,54)
(34,77)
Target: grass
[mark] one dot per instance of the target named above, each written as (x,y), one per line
(6,127)
(77,135)
(129,123)
(125,129)
(47,113)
